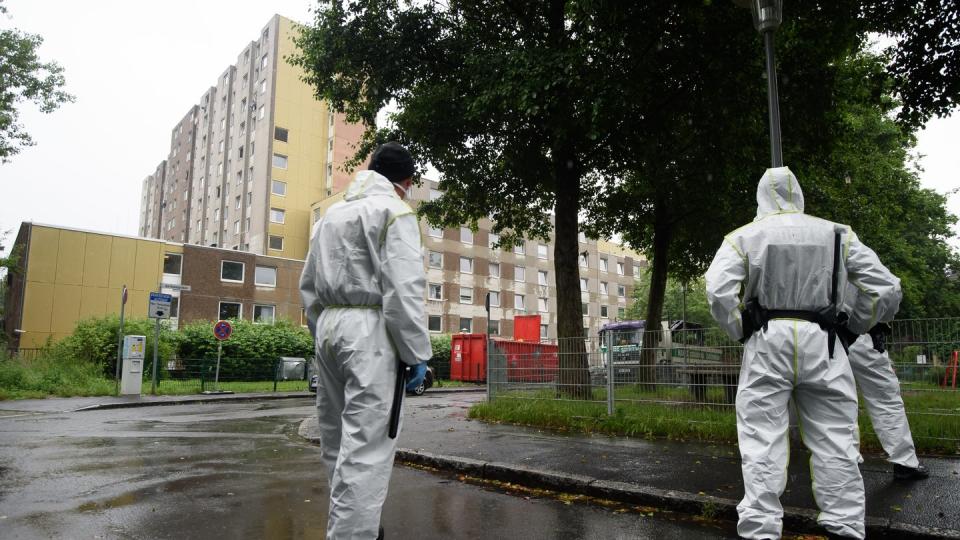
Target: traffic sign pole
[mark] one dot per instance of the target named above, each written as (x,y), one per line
(156,344)
(123,304)
(221,331)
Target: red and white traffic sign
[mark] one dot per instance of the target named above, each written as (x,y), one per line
(222,330)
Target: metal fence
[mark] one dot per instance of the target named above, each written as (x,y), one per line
(190,376)
(20,354)
(684,382)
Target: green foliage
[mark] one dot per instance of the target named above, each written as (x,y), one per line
(24,77)
(697,309)
(252,348)
(51,375)
(95,341)
(440,345)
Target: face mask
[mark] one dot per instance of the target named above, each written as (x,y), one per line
(406,191)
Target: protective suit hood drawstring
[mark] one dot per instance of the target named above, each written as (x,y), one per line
(778,192)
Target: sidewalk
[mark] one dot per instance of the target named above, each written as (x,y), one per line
(697,478)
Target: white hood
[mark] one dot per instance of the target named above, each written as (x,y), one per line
(778,193)
(368,183)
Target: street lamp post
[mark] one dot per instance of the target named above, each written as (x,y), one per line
(767,16)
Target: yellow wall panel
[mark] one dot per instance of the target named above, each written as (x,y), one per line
(93,302)
(123,259)
(137,303)
(66,308)
(96,262)
(42,264)
(148,266)
(37,306)
(70,257)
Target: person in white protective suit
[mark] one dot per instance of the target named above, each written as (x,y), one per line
(781,266)
(873,371)
(363,291)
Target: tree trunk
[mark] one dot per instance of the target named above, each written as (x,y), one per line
(662,233)
(574,376)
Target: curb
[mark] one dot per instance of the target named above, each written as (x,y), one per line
(800,520)
(189,401)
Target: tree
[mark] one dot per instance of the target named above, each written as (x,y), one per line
(696,309)
(24,77)
(512,102)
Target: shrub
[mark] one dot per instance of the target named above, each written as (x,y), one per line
(252,348)
(95,341)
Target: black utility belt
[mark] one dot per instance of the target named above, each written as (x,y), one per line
(809,316)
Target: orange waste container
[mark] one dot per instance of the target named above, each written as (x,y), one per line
(526,328)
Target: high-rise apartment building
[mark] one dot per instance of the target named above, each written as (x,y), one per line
(248,161)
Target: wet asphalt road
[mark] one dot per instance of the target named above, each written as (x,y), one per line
(238,470)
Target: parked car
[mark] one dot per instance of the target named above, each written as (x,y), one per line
(416,385)
(420,379)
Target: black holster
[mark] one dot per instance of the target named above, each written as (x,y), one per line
(755,317)
(880,334)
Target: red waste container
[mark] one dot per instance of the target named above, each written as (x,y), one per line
(529,362)
(468,358)
(526,328)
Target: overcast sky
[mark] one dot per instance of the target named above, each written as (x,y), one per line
(136,67)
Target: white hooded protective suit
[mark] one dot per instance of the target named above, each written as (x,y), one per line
(880,387)
(363,291)
(785,260)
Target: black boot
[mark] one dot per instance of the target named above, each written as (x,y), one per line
(380,533)
(909,473)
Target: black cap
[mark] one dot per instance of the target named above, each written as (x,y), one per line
(393,161)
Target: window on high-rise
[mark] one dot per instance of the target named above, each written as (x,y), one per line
(277,215)
(263,314)
(280,134)
(275,243)
(231,271)
(280,161)
(466,265)
(466,324)
(493,327)
(435,323)
(279,188)
(466,235)
(172,263)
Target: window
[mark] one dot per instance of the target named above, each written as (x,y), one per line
(435,259)
(518,301)
(585,308)
(621,291)
(494,298)
(230,310)
(583,284)
(466,324)
(544,331)
(603,311)
(236,227)
(435,232)
(604,289)
(263,111)
(582,237)
(494,238)
(175,307)
(435,194)
(277,215)
(519,248)
(620,268)
(265,276)
(280,161)
(583,261)
(435,291)
(636,270)
(172,263)
(542,277)
(621,312)
(520,274)
(280,134)
(231,271)
(542,304)
(263,61)
(263,314)
(493,328)
(279,188)
(466,265)
(275,242)
(603,264)
(238,202)
(495,270)
(466,235)
(435,323)
(466,295)
(263,86)
(541,251)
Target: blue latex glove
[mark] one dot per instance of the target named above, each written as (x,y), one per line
(415,376)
